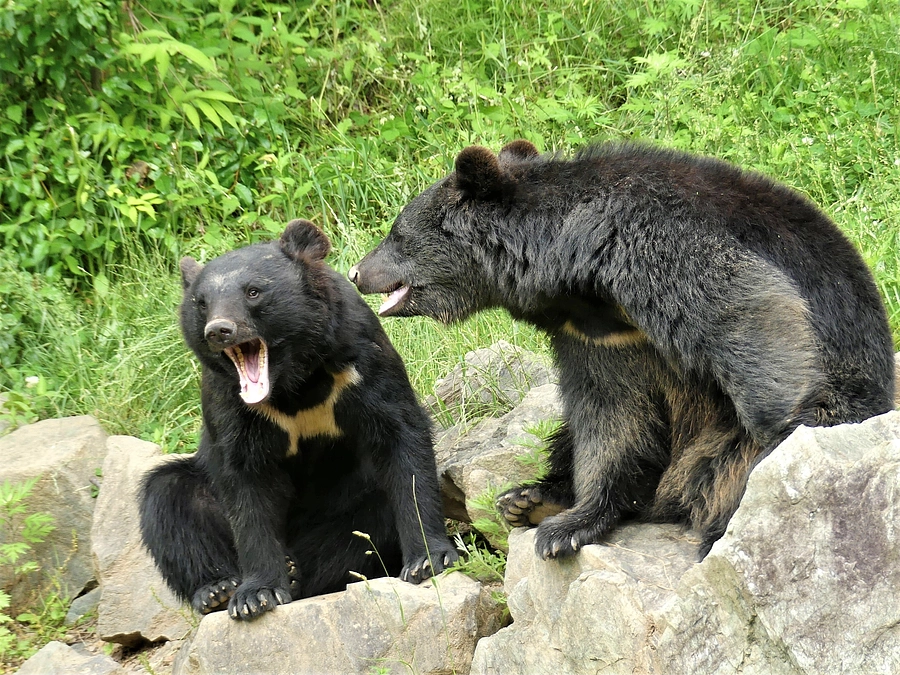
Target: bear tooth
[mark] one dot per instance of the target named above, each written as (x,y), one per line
(393,299)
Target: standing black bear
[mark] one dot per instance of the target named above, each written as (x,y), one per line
(698,314)
(310,431)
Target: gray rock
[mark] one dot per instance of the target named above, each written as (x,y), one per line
(484,458)
(807,578)
(897,380)
(493,380)
(65,453)
(82,605)
(136,606)
(56,658)
(159,659)
(805,581)
(383,624)
(595,612)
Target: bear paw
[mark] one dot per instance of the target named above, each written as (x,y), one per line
(564,535)
(424,567)
(293,577)
(526,505)
(251,600)
(214,596)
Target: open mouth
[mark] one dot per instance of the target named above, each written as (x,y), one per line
(393,301)
(252,362)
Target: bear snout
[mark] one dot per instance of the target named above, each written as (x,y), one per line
(376,273)
(220,332)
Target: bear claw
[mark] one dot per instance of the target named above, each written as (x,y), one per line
(214,596)
(254,601)
(516,505)
(419,570)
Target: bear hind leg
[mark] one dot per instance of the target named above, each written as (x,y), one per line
(704,484)
(186,532)
(326,553)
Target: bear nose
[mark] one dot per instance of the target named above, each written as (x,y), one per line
(353,274)
(220,331)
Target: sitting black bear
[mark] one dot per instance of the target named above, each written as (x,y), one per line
(311,431)
(698,314)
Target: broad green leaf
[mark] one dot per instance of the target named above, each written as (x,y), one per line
(162,63)
(14,112)
(216,95)
(225,113)
(194,55)
(211,114)
(14,146)
(152,33)
(244,193)
(191,113)
(101,284)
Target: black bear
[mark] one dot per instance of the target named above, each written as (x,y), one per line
(311,431)
(697,313)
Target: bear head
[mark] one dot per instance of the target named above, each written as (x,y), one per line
(250,312)
(434,261)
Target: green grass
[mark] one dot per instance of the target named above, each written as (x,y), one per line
(348,110)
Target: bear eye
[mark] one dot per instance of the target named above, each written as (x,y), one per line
(252,293)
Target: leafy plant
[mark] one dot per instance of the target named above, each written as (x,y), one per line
(19,533)
(480,562)
(536,455)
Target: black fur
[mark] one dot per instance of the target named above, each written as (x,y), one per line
(266,510)
(698,314)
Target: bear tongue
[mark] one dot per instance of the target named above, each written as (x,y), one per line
(252,363)
(393,299)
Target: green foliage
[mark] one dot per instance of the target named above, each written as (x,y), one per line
(480,562)
(132,134)
(19,531)
(489,523)
(141,132)
(48,42)
(536,455)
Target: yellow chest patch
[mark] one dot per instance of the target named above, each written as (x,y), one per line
(316,421)
(622,338)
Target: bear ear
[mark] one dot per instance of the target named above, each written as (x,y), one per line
(303,240)
(190,268)
(478,172)
(519,150)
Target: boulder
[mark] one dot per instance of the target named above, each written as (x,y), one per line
(56,658)
(66,454)
(136,606)
(897,380)
(384,625)
(482,459)
(490,380)
(594,613)
(81,606)
(805,580)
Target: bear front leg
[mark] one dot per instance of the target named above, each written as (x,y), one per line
(616,416)
(409,478)
(257,512)
(564,534)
